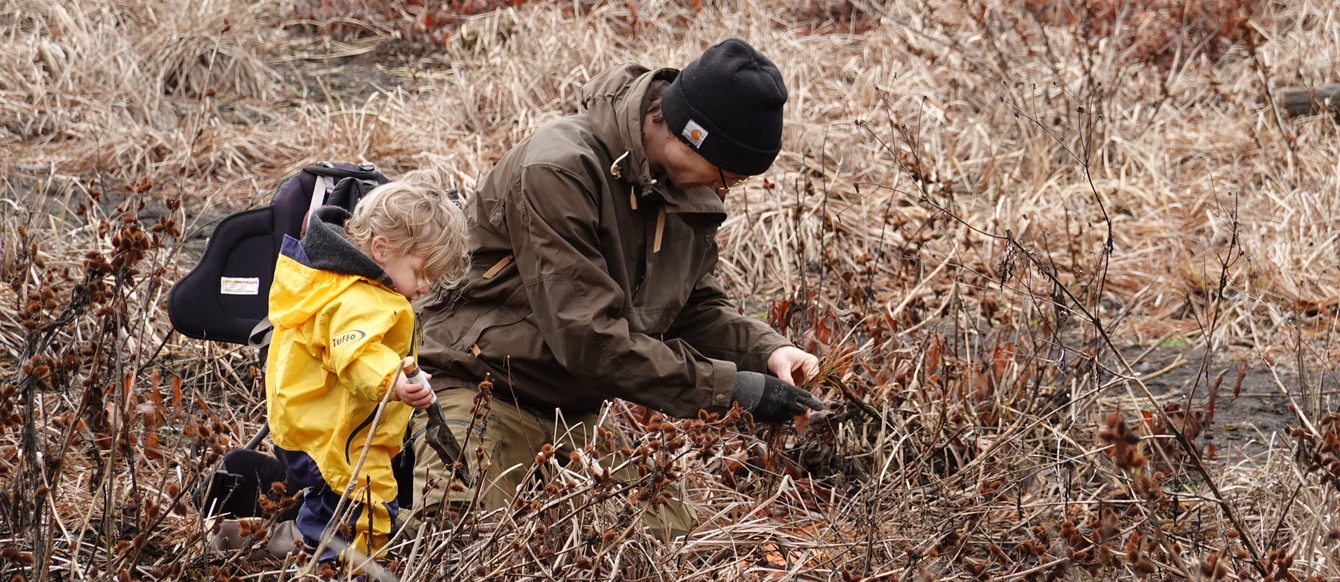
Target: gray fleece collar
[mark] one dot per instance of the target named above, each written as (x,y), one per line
(328,250)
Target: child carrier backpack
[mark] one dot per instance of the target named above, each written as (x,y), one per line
(225,297)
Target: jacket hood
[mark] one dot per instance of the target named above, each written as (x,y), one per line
(312,272)
(614,101)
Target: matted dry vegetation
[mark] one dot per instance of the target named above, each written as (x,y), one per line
(985,216)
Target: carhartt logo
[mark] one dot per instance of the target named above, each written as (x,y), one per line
(694,133)
(346,337)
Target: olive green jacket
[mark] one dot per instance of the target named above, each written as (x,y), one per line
(593,279)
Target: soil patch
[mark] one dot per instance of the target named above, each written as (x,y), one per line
(1253,398)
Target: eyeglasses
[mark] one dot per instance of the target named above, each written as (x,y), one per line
(728,183)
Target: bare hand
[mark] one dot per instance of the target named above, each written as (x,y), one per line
(792,364)
(413,393)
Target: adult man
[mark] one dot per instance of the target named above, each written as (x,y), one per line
(594,243)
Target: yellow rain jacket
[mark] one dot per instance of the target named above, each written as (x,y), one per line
(340,332)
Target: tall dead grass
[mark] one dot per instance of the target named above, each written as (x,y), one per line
(122,87)
(937,227)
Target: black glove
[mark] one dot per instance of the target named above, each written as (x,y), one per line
(770,399)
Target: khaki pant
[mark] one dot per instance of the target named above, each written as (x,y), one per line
(511,437)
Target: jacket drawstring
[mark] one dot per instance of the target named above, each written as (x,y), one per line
(617,172)
(660,230)
(614,168)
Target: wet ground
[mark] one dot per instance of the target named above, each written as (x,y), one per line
(1254,397)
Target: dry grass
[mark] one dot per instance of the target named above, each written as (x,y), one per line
(935,227)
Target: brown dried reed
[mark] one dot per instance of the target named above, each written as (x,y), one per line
(980,208)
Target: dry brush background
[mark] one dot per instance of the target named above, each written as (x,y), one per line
(987,217)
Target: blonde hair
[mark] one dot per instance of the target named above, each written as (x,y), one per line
(417,220)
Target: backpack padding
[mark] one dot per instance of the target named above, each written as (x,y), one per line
(340,170)
(291,202)
(227,293)
(348,192)
(293,197)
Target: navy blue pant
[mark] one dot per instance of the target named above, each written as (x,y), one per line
(242,478)
(319,503)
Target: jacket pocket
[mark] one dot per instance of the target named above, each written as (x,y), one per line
(483,317)
(515,339)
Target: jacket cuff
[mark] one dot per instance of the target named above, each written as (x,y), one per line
(389,383)
(723,385)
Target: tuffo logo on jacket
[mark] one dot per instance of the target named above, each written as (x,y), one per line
(346,337)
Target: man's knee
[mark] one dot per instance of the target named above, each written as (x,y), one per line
(432,478)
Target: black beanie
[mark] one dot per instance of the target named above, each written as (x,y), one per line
(727,105)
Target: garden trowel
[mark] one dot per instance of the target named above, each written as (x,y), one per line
(438,435)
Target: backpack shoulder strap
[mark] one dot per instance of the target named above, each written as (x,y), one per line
(321,187)
(260,334)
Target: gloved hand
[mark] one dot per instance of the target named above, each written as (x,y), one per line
(770,399)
